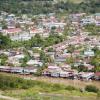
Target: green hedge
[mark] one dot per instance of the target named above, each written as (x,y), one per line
(91,88)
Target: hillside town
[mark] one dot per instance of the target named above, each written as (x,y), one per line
(77,56)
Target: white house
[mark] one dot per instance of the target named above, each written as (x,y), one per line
(64,74)
(89,53)
(34,62)
(86,75)
(54,24)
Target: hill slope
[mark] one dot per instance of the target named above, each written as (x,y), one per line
(37,7)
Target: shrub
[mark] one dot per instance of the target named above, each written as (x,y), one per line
(56,87)
(70,88)
(91,88)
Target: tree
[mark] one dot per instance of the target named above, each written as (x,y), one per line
(5,42)
(3,59)
(36,40)
(70,60)
(24,61)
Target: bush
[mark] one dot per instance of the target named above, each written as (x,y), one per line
(70,88)
(91,88)
(56,87)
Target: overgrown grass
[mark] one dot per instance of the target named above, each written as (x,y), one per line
(36,90)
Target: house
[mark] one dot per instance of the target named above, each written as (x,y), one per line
(4,69)
(37,48)
(17,70)
(36,56)
(54,68)
(97,23)
(65,67)
(36,31)
(97,16)
(88,66)
(19,56)
(64,74)
(12,31)
(87,20)
(15,60)
(34,62)
(51,54)
(54,24)
(54,71)
(46,72)
(89,53)
(10,17)
(60,59)
(86,75)
(55,74)
(97,75)
(31,70)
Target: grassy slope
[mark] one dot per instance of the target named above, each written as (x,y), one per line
(43,91)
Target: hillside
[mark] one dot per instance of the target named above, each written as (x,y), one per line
(37,7)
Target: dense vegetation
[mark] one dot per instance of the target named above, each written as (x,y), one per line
(24,89)
(11,82)
(39,6)
(91,88)
(4,41)
(33,42)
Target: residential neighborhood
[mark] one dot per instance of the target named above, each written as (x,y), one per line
(49,49)
(71,58)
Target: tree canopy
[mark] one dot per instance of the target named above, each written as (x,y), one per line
(38,6)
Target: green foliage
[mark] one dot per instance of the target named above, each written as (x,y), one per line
(98,94)
(93,29)
(91,88)
(81,68)
(52,39)
(3,59)
(4,25)
(36,41)
(38,7)
(24,61)
(4,41)
(96,59)
(11,82)
(45,58)
(70,60)
(25,6)
(3,56)
(70,88)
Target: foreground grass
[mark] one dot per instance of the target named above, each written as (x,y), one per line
(35,90)
(37,93)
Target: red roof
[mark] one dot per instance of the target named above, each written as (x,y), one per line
(97,74)
(13,30)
